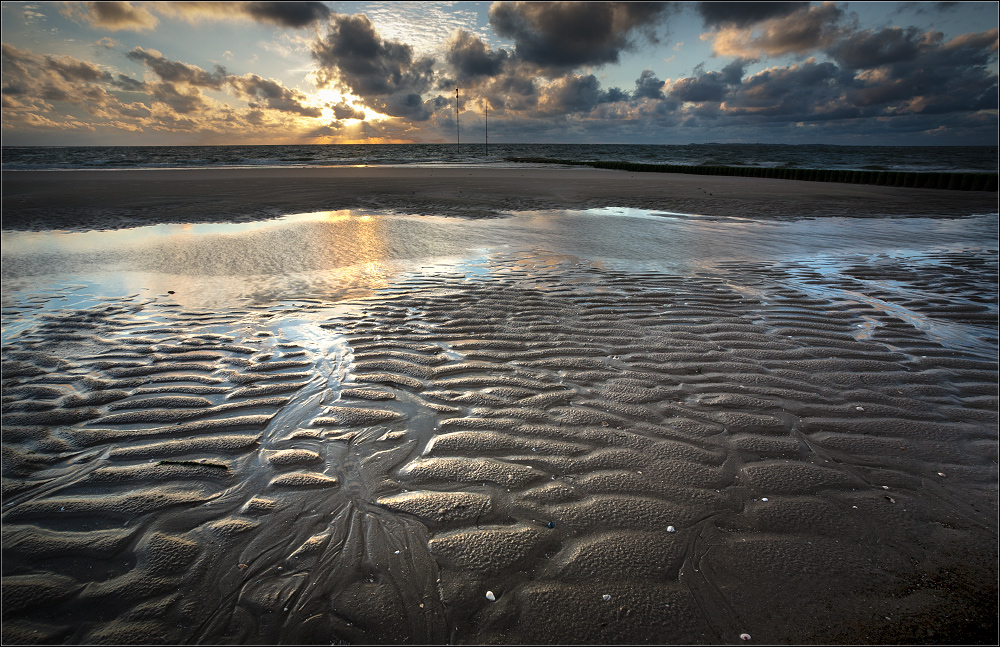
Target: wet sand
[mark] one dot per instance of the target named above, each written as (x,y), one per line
(109,200)
(535,448)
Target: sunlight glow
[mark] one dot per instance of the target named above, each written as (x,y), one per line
(326,98)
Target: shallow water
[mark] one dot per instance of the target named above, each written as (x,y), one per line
(348,254)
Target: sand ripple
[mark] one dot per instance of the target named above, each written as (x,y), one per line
(617,457)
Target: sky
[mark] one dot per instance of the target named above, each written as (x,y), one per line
(200,73)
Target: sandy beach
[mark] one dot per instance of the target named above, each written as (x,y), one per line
(426,417)
(109,200)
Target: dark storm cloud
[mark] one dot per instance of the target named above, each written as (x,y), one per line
(471,58)
(274,95)
(573,94)
(287,14)
(920,73)
(615,95)
(707,87)
(802,31)
(883,75)
(176,72)
(571,34)
(384,73)
(744,14)
(734,71)
(647,86)
(867,49)
(710,86)
(798,91)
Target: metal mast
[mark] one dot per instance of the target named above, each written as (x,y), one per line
(458,134)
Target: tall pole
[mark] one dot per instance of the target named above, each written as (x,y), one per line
(487,108)
(458,134)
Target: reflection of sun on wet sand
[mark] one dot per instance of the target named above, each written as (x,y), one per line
(531,447)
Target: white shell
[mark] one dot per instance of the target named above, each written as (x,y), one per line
(490,596)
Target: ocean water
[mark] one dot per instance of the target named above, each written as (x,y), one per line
(977,159)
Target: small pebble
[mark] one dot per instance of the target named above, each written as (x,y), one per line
(744,636)
(671,529)
(490,596)
(763,498)
(941,474)
(552,524)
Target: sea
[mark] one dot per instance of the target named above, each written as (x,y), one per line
(976,159)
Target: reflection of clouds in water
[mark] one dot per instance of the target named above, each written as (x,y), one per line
(343,254)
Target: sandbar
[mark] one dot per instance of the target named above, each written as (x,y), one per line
(77,200)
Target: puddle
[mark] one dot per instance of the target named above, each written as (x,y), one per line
(328,257)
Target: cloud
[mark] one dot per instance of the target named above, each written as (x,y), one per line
(175,72)
(344,110)
(892,79)
(808,29)
(295,15)
(796,92)
(73,69)
(869,49)
(32,83)
(572,94)
(647,86)
(128,84)
(181,100)
(471,58)
(709,86)
(53,97)
(252,87)
(111,15)
(873,77)
(566,35)
(384,73)
(744,14)
(274,95)
(123,15)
